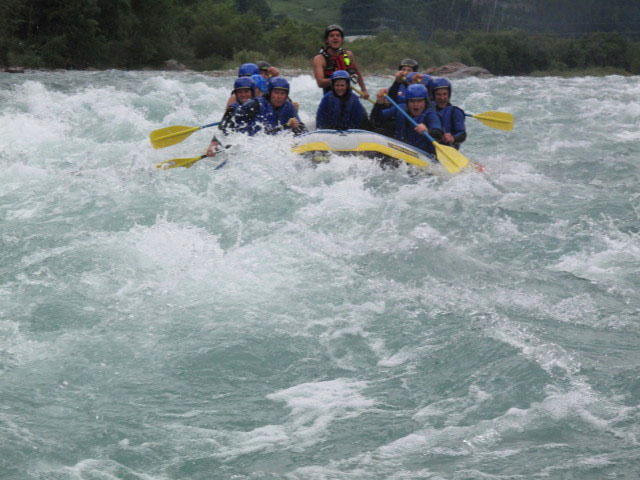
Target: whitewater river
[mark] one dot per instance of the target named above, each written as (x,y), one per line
(275,320)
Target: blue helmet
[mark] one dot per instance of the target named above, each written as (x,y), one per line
(409,77)
(248,69)
(278,82)
(260,82)
(427,80)
(416,90)
(340,75)
(441,83)
(244,82)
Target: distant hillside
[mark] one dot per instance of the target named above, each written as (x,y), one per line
(308,11)
(560,17)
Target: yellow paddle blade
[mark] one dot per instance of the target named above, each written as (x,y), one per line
(165,137)
(451,158)
(179,162)
(499,120)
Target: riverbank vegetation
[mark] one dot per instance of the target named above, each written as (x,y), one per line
(217,34)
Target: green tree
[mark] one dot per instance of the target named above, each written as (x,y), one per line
(10,20)
(228,34)
(257,7)
(64,33)
(155,35)
(507,52)
(293,38)
(606,50)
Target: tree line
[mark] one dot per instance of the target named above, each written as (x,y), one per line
(144,33)
(214,34)
(511,52)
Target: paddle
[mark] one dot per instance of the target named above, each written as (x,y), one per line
(451,158)
(359,92)
(499,120)
(165,137)
(179,162)
(188,162)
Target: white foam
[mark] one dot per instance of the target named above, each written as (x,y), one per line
(619,256)
(103,469)
(315,407)
(396,359)
(303,85)
(17,347)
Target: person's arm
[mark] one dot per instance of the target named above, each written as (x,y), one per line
(379,114)
(393,91)
(433,122)
(459,132)
(295,124)
(319,64)
(354,68)
(447,138)
(213,147)
(225,125)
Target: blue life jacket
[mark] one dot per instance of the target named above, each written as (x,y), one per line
(405,130)
(258,114)
(452,119)
(340,113)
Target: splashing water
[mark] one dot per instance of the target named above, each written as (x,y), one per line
(273,320)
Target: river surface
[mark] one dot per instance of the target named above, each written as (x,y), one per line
(276,320)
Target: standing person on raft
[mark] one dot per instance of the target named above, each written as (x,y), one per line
(333,57)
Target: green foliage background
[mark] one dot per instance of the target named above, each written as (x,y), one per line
(214,34)
(556,17)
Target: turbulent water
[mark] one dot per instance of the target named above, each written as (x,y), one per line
(276,320)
